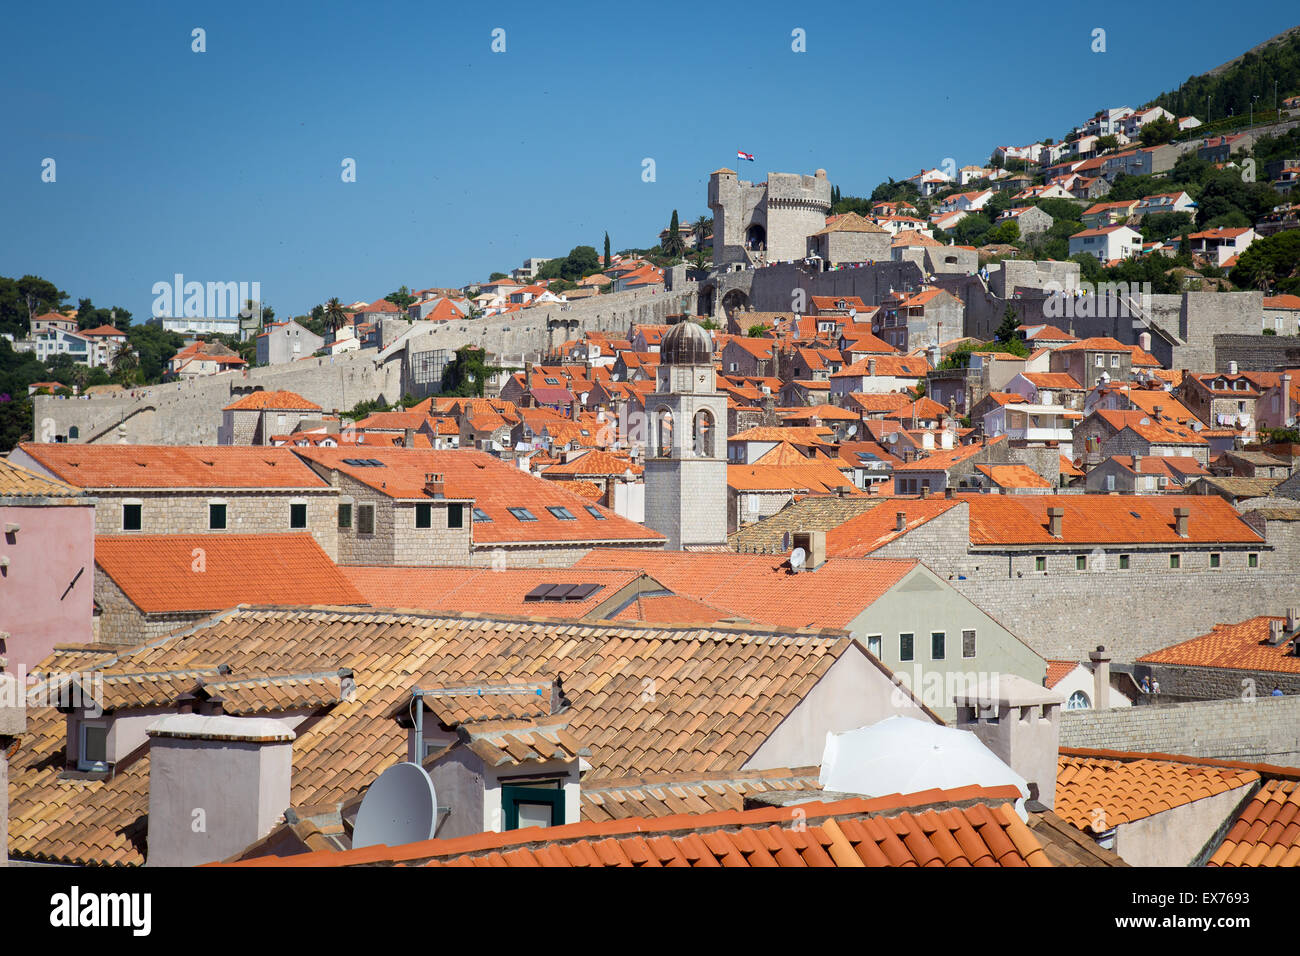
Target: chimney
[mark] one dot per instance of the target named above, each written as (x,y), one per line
(871,366)
(945,439)
(1144,341)
(1100,677)
(1232,368)
(1055,516)
(925,491)
(1020,722)
(1286,400)
(408,438)
(900,520)
(1157,409)
(814,546)
(950,492)
(1275,632)
(1137,464)
(13,723)
(433,485)
(230,773)
(1292,619)
(1180,521)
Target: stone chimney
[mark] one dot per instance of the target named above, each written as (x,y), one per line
(1292,619)
(1157,409)
(814,546)
(216,785)
(1232,368)
(433,485)
(871,366)
(408,438)
(1100,677)
(1137,464)
(1020,722)
(1055,518)
(900,520)
(1286,400)
(1180,521)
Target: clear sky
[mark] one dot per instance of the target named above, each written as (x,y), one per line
(226,165)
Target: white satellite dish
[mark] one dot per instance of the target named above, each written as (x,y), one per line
(853,313)
(853,430)
(797,558)
(400,807)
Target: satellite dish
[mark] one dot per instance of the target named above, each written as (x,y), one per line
(400,807)
(797,558)
(853,313)
(853,430)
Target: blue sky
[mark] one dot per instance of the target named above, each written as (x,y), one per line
(225,165)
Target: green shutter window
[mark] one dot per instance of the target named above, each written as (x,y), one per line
(216,517)
(131,516)
(1215,560)
(297,516)
(532,806)
(1040,563)
(345,515)
(937,645)
(1123,562)
(455,516)
(905,650)
(366,519)
(424,516)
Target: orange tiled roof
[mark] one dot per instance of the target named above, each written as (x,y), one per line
(157,572)
(925,829)
(807,475)
(1069,468)
(1241,646)
(1105,519)
(943,459)
(596,463)
(1099,343)
(696,722)
(1052,380)
(174,466)
(863,534)
(760,587)
(482,590)
(909,366)
(1013,476)
(1166,431)
(672,609)
(494,485)
(1096,794)
(1267,833)
(663,795)
(18,482)
(1057,671)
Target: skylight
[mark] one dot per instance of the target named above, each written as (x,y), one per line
(481,515)
(564,514)
(595,512)
(522,514)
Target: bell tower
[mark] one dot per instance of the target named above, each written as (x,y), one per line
(686,453)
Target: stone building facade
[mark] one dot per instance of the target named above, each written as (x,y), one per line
(769,221)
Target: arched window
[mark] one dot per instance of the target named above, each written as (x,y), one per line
(1078,701)
(74,432)
(703,434)
(664,421)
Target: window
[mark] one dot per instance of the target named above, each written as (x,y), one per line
(936,645)
(424,516)
(298,516)
(216,517)
(1078,701)
(1252,560)
(564,514)
(1114,361)
(594,512)
(481,515)
(1099,361)
(131,517)
(1214,560)
(968,643)
(535,806)
(1081,562)
(345,515)
(1123,562)
(905,647)
(873,645)
(1175,561)
(522,514)
(365,519)
(1040,563)
(94,747)
(455,516)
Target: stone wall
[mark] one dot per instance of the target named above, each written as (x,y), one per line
(189,412)
(1264,730)
(1256,353)
(262,511)
(120,622)
(1216,683)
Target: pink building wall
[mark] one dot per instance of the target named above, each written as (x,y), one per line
(54,542)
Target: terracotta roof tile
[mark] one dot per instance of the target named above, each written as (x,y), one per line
(16,482)
(174,466)
(208,572)
(288,401)
(1104,519)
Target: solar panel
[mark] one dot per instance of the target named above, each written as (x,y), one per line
(581,592)
(561,592)
(538,593)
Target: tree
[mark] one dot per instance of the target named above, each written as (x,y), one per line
(498,275)
(1005,233)
(89,317)
(756,331)
(1165,225)
(1008,331)
(1272,263)
(703,229)
(673,246)
(1160,130)
(335,316)
(402,298)
(466,374)
(581,262)
(1110,141)
(607,259)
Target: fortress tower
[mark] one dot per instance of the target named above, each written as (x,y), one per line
(771,220)
(686,454)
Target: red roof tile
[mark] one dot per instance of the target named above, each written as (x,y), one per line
(174,466)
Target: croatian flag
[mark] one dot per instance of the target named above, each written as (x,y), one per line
(748,156)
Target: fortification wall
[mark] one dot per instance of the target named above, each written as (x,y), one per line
(1256,353)
(189,412)
(1263,730)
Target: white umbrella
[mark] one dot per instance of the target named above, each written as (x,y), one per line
(903,755)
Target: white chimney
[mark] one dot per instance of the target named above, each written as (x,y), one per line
(1232,368)
(1020,722)
(945,439)
(927,441)
(1100,677)
(216,785)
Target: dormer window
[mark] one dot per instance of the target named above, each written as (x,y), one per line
(92,750)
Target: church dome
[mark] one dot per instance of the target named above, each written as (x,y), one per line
(686,344)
